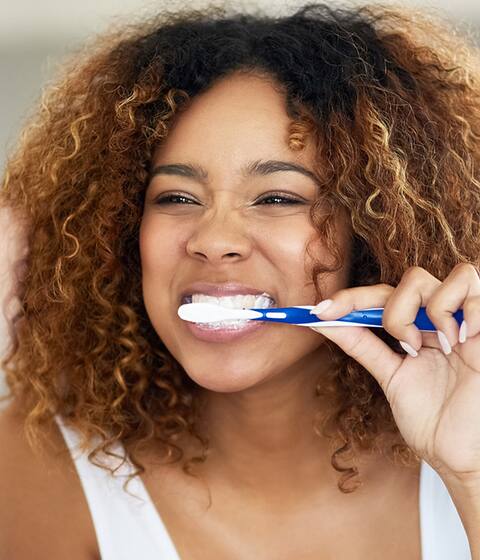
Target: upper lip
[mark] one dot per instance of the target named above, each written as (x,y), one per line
(221,289)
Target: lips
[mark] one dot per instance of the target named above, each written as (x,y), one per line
(222,289)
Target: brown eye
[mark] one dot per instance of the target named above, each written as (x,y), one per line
(283,200)
(173,199)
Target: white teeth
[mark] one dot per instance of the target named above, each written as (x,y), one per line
(236,302)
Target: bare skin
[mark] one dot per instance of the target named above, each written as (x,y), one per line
(274,493)
(379,520)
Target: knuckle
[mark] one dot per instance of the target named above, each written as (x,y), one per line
(414,271)
(468,269)
(419,276)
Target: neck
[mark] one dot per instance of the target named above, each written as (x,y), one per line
(263,437)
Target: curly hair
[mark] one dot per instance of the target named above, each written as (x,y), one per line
(391,99)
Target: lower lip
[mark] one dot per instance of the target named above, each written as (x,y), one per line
(223,335)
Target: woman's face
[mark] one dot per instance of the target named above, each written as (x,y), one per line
(232,227)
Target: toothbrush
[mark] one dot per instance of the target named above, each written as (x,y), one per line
(297,315)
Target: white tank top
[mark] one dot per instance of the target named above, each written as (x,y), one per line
(128,527)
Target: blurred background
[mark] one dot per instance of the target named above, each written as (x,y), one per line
(35,36)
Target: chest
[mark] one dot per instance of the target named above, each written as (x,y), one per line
(379,527)
(284,541)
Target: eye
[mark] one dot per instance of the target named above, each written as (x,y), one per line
(278,200)
(278,197)
(173,199)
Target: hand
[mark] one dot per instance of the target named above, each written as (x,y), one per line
(434,397)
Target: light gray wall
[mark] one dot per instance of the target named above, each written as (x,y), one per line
(36,34)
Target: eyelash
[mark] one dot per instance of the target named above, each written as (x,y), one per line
(168,199)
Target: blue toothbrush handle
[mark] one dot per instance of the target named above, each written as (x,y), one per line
(372,317)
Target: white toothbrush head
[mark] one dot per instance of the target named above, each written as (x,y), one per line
(210,313)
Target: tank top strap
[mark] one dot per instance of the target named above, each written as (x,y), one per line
(443,536)
(127,524)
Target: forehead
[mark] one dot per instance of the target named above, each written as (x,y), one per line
(240,118)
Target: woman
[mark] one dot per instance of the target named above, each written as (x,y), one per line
(329,155)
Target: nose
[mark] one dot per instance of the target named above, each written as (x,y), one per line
(220,238)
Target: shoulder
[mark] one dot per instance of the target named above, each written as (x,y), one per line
(41,497)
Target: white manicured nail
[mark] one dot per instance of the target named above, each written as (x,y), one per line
(408,349)
(321,306)
(462,333)
(444,342)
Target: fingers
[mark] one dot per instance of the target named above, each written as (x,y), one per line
(415,289)
(352,299)
(460,290)
(418,288)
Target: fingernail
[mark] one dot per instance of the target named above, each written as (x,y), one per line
(321,306)
(408,349)
(462,333)
(444,342)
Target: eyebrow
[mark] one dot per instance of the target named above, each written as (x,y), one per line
(253,168)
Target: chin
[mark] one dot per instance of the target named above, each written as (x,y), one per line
(245,363)
(225,379)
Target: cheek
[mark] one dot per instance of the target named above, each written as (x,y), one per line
(286,250)
(159,256)
(159,249)
(287,238)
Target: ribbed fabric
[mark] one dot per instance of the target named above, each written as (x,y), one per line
(130,527)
